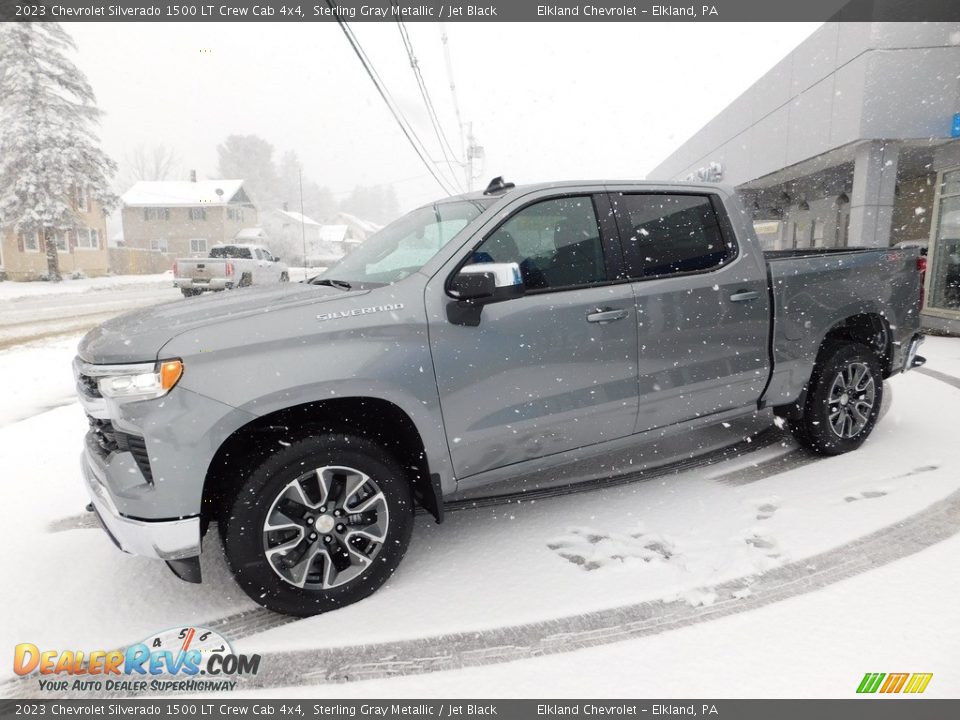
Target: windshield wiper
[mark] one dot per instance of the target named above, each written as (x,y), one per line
(341,284)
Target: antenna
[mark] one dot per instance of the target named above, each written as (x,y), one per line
(497,185)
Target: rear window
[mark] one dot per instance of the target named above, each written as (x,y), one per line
(231,251)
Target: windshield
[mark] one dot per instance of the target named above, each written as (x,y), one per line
(405,245)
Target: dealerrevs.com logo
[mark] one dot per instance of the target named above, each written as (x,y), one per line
(189,659)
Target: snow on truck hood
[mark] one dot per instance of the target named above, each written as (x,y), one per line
(138,336)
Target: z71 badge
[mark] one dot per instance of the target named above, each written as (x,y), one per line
(358,311)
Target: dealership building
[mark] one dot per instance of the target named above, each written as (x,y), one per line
(851,140)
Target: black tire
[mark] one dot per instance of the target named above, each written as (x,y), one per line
(284,277)
(835,418)
(245,280)
(189,292)
(245,537)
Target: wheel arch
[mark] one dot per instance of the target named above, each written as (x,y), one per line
(373,418)
(866,327)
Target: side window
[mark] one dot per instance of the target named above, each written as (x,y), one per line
(556,243)
(671,234)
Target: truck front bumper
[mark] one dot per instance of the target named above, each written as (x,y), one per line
(161,539)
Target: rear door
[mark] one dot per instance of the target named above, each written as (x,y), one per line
(703,310)
(552,370)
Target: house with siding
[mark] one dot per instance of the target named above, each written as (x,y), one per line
(82,248)
(184,218)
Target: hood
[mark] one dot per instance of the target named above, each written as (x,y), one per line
(138,336)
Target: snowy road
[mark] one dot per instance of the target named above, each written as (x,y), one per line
(33,311)
(539,590)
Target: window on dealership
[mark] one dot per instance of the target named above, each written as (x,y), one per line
(944,289)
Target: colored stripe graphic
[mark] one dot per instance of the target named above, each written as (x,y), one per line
(870,682)
(918,683)
(894,683)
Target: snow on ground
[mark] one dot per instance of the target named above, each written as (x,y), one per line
(899,618)
(674,537)
(943,354)
(13,290)
(44,378)
(38,310)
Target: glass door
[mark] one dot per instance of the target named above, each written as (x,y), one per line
(944,274)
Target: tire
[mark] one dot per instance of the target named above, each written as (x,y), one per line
(189,292)
(245,280)
(843,399)
(284,277)
(304,575)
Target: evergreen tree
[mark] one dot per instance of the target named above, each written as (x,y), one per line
(49,151)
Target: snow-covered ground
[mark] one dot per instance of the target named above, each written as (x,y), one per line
(40,310)
(15,290)
(717,571)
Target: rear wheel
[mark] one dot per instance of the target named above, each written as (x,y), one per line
(843,400)
(189,292)
(319,525)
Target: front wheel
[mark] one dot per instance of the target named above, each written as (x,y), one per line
(284,277)
(319,525)
(843,399)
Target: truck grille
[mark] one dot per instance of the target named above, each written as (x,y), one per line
(110,440)
(87,386)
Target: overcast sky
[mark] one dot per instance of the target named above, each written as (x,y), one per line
(547,101)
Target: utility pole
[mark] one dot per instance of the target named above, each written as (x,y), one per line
(474,153)
(303,228)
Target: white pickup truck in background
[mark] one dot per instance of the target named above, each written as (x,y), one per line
(228,266)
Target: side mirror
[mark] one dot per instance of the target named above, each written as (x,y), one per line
(473,285)
(275,258)
(480,284)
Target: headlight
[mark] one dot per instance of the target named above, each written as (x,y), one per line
(139,382)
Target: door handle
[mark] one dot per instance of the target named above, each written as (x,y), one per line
(606,315)
(744,296)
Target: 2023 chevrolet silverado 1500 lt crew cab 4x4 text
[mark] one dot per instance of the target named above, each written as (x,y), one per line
(485,344)
(227,267)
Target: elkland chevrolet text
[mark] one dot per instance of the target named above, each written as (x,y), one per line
(497,342)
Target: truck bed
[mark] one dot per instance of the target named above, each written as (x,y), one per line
(815,289)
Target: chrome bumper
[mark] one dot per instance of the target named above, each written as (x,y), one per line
(211,284)
(913,360)
(162,539)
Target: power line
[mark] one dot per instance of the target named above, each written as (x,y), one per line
(385,96)
(448,152)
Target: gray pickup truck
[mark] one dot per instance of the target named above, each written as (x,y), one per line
(492,343)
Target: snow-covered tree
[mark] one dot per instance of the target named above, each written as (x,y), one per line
(49,152)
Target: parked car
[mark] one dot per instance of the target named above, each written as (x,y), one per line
(227,267)
(496,342)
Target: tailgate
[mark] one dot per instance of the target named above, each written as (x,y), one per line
(201,269)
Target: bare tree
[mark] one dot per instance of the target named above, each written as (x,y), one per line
(149,162)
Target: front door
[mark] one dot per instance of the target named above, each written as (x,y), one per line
(703,309)
(553,370)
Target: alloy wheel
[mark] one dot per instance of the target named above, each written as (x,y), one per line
(851,399)
(325,528)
